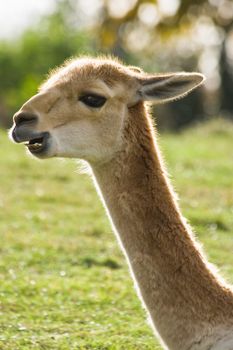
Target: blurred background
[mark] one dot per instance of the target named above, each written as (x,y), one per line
(158,35)
(64,282)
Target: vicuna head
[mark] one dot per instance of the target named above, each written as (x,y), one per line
(81,110)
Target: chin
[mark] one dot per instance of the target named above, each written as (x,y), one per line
(41,155)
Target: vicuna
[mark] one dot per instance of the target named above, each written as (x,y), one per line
(95,109)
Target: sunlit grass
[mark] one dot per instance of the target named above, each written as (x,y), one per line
(64,282)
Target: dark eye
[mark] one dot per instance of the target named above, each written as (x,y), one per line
(93,100)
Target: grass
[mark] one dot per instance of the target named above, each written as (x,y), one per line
(64,282)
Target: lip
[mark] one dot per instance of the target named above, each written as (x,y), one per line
(39,144)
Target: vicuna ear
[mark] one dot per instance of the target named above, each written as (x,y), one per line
(167,87)
(135,69)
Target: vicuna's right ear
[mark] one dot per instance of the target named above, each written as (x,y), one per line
(167,87)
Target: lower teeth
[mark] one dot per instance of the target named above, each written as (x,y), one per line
(35,145)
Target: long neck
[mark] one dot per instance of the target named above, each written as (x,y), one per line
(177,287)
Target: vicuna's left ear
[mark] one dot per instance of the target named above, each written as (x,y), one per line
(168,87)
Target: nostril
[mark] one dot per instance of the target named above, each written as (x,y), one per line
(23,118)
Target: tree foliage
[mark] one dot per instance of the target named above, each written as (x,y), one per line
(25,62)
(158,35)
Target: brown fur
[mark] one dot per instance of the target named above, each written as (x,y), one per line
(186,300)
(190,307)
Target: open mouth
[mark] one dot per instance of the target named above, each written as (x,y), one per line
(38,144)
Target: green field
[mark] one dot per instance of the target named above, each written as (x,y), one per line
(64,282)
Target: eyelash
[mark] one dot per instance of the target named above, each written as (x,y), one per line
(93,100)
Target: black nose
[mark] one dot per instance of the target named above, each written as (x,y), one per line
(24,118)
